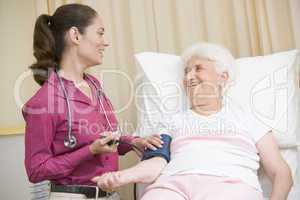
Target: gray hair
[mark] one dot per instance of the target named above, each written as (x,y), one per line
(221,56)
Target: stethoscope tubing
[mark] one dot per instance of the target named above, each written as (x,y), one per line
(70,140)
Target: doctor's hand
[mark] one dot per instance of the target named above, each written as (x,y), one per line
(110,181)
(101,145)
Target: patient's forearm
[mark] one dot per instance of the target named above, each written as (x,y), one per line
(282,183)
(144,172)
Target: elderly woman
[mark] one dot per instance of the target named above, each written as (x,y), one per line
(216,149)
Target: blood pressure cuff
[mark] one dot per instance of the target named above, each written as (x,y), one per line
(160,152)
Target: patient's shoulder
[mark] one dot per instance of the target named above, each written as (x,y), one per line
(248,122)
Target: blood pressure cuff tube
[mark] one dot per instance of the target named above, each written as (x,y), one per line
(160,152)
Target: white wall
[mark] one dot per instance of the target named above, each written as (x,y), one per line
(13,178)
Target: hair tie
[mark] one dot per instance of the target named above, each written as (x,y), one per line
(49,23)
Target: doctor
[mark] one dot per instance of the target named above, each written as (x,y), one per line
(69,121)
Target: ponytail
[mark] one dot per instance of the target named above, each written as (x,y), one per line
(43,49)
(49,36)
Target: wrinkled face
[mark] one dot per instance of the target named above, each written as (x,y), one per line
(92,44)
(202,82)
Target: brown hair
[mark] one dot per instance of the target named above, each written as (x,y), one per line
(49,34)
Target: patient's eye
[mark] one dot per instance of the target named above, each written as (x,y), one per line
(198,68)
(187,70)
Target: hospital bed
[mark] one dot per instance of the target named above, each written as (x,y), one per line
(268,85)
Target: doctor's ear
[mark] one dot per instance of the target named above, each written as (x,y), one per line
(74,35)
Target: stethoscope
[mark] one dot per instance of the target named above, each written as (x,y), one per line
(70,140)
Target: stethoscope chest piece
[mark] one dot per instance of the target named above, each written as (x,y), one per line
(70,142)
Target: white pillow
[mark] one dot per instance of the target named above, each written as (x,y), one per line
(160,89)
(265,86)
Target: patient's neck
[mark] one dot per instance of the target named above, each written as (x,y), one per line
(208,108)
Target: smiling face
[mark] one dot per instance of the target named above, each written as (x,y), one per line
(92,44)
(202,81)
